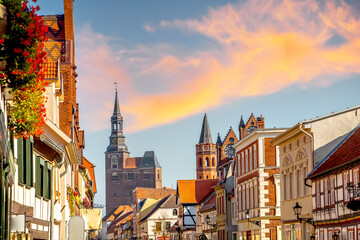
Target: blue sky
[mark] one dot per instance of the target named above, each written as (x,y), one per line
(174,60)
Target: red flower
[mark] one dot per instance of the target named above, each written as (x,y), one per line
(2,41)
(17,50)
(26,53)
(27,43)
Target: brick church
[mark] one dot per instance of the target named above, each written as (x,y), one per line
(125,173)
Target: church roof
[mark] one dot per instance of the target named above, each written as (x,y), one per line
(149,160)
(205,136)
(116,105)
(242,124)
(219,139)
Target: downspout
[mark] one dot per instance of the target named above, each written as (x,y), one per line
(312,140)
(62,154)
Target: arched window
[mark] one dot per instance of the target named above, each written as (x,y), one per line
(200,162)
(213,162)
(175,212)
(114,177)
(199,177)
(207,177)
(207,162)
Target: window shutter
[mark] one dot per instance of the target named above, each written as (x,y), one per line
(28,163)
(37,176)
(45,180)
(48,169)
(20,160)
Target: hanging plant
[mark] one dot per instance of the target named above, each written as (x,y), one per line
(71,200)
(22,47)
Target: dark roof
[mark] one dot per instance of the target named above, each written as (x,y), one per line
(242,124)
(149,160)
(205,136)
(347,151)
(219,139)
(211,204)
(116,105)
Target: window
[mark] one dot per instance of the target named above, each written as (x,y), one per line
(290,147)
(207,162)
(251,197)
(246,161)
(250,159)
(304,176)
(298,183)
(284,149)
(256,195)
(242,163)
(114,162)
(255,157)
(290,185)
(200,162)
(285,187)
(326,191)
(43,178)
(158,226)
(167,225)
(130,176)
(147,175)
(114,177)
(25,161)
(238,164)
(332,190)
(175,212)
(346,181)
(213,162)
(317,196)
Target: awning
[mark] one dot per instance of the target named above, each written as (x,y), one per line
(72,152)
(92,218)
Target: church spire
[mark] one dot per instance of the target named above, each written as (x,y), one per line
(205,136)
(116,105)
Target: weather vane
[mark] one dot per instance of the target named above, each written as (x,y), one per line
(115,83)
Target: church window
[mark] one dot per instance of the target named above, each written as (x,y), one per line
(207,162)
(158,176)
(114,177)
(199,176)
(146,175)
(200,162)
(130,176)
(175,212)
(114,162)
(213,162)
(207,177)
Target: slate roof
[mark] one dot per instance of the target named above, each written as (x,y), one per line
(195,191)
(346,152)
(205,135)
(116,106)
(211,204)
(149,160)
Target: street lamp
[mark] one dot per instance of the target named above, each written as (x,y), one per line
(248,215)
(312,237)
(297,210)
(207,221)
(335,236)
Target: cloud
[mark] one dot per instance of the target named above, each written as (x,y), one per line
(265,46)
(149,28)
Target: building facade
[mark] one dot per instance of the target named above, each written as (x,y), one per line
(336,192)
(257,186)
(125,173)
(302,147)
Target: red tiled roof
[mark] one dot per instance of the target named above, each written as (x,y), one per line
(119,221)
(210,204)
(90,168)
(195,190)
(346,152)
(132,162)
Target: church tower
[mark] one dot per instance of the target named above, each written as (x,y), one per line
(205,153)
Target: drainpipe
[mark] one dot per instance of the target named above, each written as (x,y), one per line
(59,164)
(312,150)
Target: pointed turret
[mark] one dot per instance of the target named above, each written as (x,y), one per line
(218,141)
(205,136)
(116,106)
(241,124)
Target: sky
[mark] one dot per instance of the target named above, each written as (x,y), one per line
(287,60)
